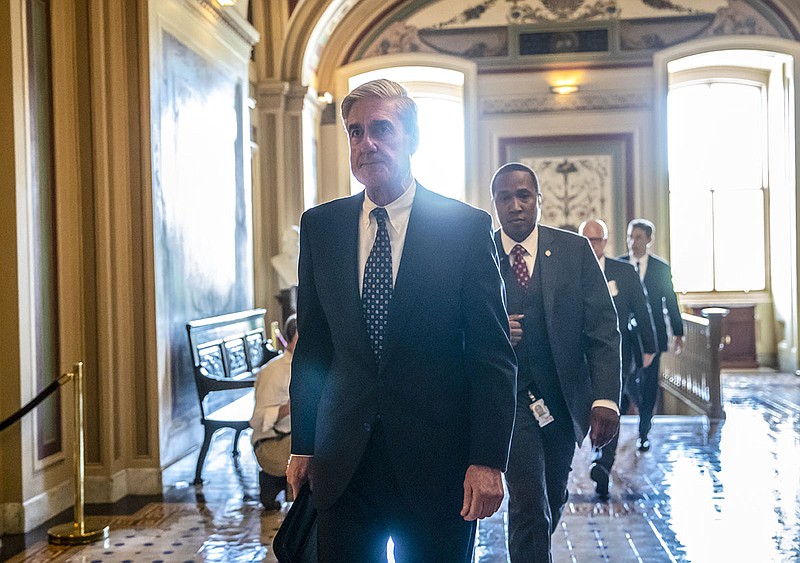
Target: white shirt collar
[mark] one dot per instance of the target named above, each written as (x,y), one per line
(396,210)
(633,259)
(530,244)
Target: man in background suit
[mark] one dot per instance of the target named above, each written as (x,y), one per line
(635,326)
(403,379)
(656,276)
(564,329)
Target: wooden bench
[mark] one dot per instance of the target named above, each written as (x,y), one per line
(227,352)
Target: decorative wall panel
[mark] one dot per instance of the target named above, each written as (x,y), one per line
(201,198)
(43,202)
(581,177)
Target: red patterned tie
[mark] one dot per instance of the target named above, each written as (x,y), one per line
(520,267)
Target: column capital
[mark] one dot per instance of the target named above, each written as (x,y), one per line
(271,95)
(295,97)
(276,95)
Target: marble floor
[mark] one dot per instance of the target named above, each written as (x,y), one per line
(728,492)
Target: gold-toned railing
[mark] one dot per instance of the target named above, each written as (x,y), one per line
(81,530)
(693,376)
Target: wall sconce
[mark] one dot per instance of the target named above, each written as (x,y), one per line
(564,89)
(226,2)
(325,98)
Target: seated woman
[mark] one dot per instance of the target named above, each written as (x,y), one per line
(271,421)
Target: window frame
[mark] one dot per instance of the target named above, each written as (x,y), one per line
(748,76)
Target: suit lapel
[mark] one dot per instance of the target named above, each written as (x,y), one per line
(501,252)
(417,251)
(344,266)
(548,273)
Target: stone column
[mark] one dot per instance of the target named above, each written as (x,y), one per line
(278,191)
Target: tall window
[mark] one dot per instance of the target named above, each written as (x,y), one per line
(718,184)
(439,162)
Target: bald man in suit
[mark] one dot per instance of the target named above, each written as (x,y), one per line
(636,328)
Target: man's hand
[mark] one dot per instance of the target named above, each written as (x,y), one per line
(677,344)
(647,359)
(483,492)
(604,424)
(297,472)
(516,328)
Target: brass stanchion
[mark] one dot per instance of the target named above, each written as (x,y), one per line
(80,531)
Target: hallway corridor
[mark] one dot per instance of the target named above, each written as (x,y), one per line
(720,493)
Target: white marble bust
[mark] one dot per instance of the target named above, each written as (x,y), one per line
(285,263)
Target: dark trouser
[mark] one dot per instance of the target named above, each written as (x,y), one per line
(538,470)
(647,390)
(270,486)
(357,527)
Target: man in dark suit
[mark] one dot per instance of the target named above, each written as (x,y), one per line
(656,276)
(564,329)
(635,326)
(403,379)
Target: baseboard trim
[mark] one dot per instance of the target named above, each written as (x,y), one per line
(130,481)
(20,518)
(145,481)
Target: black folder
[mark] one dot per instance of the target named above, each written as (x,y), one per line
(296,540)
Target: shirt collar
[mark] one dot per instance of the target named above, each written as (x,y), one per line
(602,261)
(399,207)
(633,259)
(530,244)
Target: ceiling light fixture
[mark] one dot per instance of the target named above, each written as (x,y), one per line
(564,89)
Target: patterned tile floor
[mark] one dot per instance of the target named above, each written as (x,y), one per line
(703,493)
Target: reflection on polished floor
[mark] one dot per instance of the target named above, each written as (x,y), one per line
(703,493)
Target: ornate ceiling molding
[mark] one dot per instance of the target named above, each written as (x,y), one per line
(373,27)
(581,101)
(233,20)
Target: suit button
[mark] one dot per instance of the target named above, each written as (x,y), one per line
(367,426)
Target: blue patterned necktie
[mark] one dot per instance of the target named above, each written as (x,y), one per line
(377,291)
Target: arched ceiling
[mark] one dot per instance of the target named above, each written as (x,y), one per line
(326,34)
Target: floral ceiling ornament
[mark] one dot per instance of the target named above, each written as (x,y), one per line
(560,10)
(472,13)
(667,5)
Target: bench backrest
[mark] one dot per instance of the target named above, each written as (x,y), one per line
(228,349)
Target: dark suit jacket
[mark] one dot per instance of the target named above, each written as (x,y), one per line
(581,322)
(633,311)
(663,301)
(445,389)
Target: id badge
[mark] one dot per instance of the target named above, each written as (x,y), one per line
(540,411)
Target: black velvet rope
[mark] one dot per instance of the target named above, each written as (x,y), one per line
(46,392)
